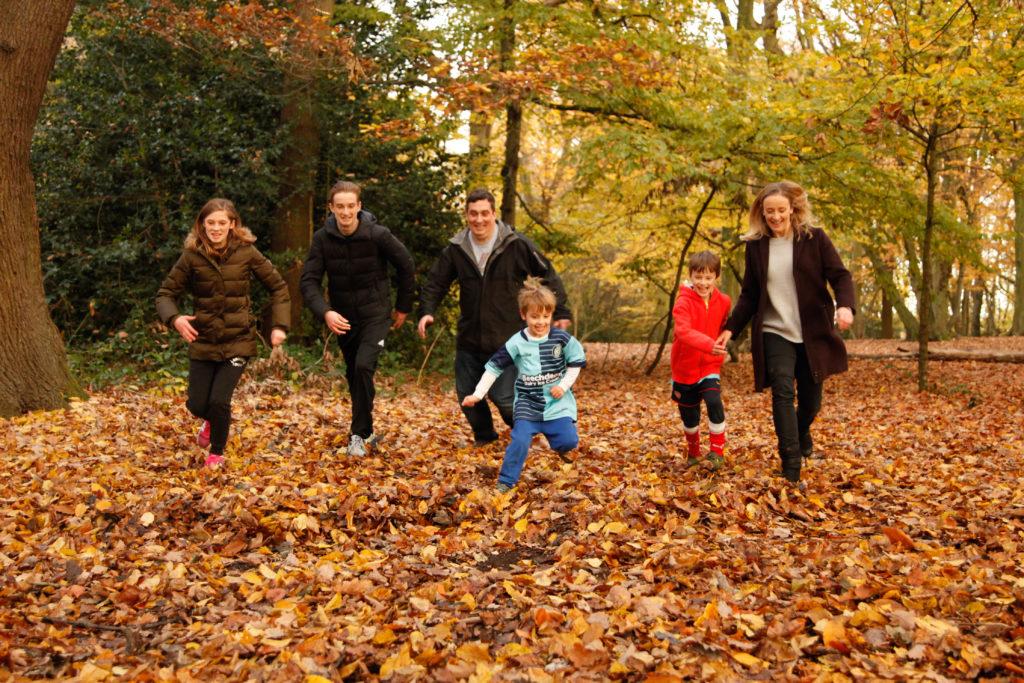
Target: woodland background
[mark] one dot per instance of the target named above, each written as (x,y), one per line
(621,136)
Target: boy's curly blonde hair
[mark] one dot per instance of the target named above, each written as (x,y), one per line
(535,295)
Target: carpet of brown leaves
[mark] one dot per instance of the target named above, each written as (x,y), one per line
(901,558)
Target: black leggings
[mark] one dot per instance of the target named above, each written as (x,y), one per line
(210,386)
(689,396)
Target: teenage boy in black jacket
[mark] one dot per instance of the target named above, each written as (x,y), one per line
(355,252)
(490,261)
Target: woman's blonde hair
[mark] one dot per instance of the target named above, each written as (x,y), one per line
(802,220)
(535,294)
(197,239)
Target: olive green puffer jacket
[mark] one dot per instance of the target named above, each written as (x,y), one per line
(220,290)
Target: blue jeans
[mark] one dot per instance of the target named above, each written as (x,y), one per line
(561,434)
(469,368)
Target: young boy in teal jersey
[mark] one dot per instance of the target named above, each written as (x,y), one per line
(549,360)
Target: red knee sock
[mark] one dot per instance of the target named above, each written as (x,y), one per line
(717,439)
(692,442)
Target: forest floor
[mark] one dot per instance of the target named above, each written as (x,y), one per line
(901,556)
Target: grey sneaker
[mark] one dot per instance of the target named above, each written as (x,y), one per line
(357,445)
(502,488)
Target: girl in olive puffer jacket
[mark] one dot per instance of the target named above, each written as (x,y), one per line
(216,266)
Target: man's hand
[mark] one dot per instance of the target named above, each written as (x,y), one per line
(399,319)
(723,338)
(277,337)
(336,323)
(183,324)
(562,324)
(422,327)
(470,400)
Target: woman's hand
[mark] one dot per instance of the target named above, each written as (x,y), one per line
(844,317)
(183,324)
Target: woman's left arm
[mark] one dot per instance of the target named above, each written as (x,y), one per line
(838,277)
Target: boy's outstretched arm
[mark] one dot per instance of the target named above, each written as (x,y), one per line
(482,387)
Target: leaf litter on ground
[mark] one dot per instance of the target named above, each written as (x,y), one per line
(899,558)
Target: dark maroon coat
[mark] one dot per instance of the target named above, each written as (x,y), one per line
(816,264)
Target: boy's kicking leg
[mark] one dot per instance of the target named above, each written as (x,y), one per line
(561,435)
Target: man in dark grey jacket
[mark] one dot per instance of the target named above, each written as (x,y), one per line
(355,252)
(490,261)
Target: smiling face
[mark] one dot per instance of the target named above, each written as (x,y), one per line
(218,226)
(777,212)
(345,207)
(480,218)
(703,282)
(538,321)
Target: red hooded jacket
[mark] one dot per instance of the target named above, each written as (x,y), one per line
(698,324)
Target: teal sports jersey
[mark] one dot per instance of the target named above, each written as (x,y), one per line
(542,364)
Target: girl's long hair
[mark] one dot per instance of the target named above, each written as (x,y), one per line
(801,220)
(197,239)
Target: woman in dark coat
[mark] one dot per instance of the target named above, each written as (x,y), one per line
(789,265)
(216,266)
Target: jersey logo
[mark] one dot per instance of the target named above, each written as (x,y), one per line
(556,351)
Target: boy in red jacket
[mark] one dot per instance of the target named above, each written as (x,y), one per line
(700,314)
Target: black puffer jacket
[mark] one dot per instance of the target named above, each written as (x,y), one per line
(488,307)
(357,271)
(220,290)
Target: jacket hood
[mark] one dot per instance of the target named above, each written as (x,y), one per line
(504,232)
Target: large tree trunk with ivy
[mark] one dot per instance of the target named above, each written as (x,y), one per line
(32,359)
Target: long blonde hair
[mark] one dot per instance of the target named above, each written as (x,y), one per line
(197,239)
(801,220)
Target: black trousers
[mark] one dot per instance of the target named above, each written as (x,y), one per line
(469,368)
(361,347)
(210,387)
(786,365)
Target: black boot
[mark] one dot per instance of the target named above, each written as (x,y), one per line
(791,463)
(807,446)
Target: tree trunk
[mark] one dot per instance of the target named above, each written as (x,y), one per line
(479,149)
(673,291)
(887,330)
(1018,252)
(883,276)
(977,299)
(293,229)
(513,120)
(510,169)
(924,301)
(32,359)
